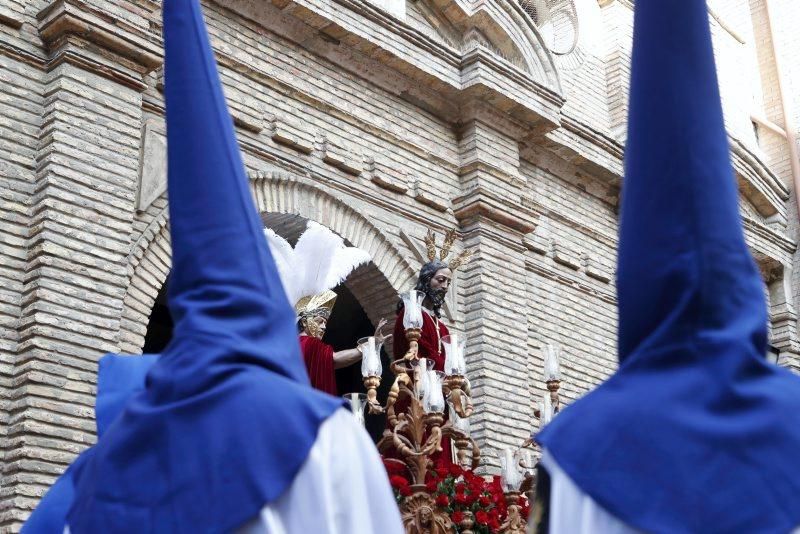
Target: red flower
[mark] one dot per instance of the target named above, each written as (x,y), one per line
(525,510)
(484,501)
(457,517)
(397,481)
(405,491)
(494,524)
(394,467)
(461,498)
(431,485)
(481,517)
(455,470)
(442,500)
(441,471)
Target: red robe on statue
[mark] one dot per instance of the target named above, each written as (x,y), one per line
(318,357)
(430,347)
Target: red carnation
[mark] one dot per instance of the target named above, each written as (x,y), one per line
(397,481)
(441,471)
(442,500)
(494,524)
(461,498)
(457,517)
(484,501)
(455,470)
(405,491)
(481,517)
(431,486)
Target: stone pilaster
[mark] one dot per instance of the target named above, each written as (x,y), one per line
(78,236)
(493,221)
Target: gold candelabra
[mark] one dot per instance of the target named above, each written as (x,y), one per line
(416,425)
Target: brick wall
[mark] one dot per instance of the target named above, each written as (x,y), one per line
(364,123)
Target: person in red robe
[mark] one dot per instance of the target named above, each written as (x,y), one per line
(434,280)
(320,358)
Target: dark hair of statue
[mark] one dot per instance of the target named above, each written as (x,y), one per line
(426,274)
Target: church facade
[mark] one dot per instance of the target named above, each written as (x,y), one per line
(380,119)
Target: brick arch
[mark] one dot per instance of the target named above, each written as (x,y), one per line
(375,287)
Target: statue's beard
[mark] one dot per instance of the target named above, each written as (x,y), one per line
(436,297)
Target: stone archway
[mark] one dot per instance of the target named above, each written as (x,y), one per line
(275,193)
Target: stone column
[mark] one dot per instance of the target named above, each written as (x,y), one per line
(81,214)
(21,66)
(493,221)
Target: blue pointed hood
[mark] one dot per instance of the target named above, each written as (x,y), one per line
(227,417)
(118,379)
(696,432)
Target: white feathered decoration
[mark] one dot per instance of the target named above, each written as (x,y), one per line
(319,261)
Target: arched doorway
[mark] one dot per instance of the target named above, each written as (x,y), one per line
(349,321)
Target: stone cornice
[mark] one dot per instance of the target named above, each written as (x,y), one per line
(574,280)
(757,229)
(24,56)
(458,77)
(483,203)
(589,149)
(760,186)
(70,27)
(10,18)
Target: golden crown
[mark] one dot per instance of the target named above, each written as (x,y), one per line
(323,301)
(449,239)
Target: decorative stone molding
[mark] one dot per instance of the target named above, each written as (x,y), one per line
(426,194)
(595,270)
(483,203)
(341,158)
(152,165)
(290,135)
(564,256)
(765,191)
(274,192)
(386,176)
(12,15)
(71,29)
(531,94)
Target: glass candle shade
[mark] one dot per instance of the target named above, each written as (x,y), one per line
(552,362)
(433,398)
(357,402)
(412,308)
(370,357)
(545,410)
(420,373)
(526,461)
(510,475)
(454,349)
(461,424)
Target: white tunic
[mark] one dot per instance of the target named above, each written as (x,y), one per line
(574,512)
(341,489)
